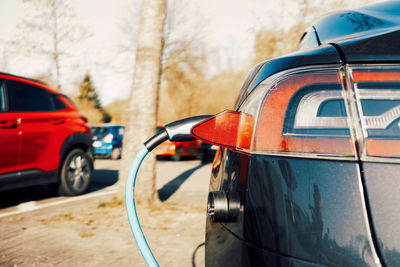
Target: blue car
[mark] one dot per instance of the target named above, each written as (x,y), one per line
(107,140)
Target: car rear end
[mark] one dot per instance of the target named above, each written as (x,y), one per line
(309,173)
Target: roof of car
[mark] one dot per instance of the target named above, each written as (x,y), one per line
(369,34)
(25,78)
(31,81)
(368,20)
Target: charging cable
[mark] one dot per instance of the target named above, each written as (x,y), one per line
(175,131)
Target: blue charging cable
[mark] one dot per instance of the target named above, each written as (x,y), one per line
(175,131)
(131,209)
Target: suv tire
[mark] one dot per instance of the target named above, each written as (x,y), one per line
(75,173)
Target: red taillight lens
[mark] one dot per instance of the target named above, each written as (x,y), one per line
(315,112)
(377,90)
(229,129)
(284,126)
(301,111)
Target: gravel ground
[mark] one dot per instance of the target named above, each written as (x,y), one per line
(96,232)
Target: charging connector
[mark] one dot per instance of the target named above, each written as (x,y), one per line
(175,131)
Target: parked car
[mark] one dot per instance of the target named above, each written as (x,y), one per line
(309,175)
(107,140)
(44,138)
(177,150)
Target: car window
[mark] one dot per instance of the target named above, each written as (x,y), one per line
(58,104)
(26,97)
(2,98)
(67,99)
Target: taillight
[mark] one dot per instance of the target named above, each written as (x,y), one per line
(304,112)
(377,93)
(315,112)
(229,129)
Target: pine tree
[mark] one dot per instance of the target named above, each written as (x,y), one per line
(87,92)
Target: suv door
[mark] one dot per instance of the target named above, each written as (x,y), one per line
(42,130)
(9,127)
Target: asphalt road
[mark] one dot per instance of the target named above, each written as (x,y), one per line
(39,228)
(103,183)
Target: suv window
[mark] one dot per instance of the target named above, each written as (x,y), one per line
(26,97)
(58,104)
(2,97)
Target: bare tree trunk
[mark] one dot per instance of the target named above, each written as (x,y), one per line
(55,43)
(143,100)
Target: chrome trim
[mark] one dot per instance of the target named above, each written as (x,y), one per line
(307,112)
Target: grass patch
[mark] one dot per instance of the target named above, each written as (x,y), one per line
(115,202)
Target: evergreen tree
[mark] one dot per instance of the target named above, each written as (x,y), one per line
(87,92)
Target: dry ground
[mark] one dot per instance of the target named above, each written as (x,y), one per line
(96,232)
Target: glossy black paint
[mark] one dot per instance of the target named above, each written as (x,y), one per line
(306,211)
(382,182)
(368,34)
(373,49)
(365,21)
(225,249)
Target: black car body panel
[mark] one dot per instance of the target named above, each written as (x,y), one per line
(309,211)
(363,22)
(26,178)
(369,34)
(383,187)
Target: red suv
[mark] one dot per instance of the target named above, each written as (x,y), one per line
(43,138)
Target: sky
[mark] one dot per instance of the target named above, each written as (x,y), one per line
(227,26)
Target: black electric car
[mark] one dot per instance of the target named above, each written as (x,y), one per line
(309,172)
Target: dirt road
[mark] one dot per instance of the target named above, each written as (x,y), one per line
(93,230)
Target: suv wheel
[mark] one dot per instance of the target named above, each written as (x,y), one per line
(75,173)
